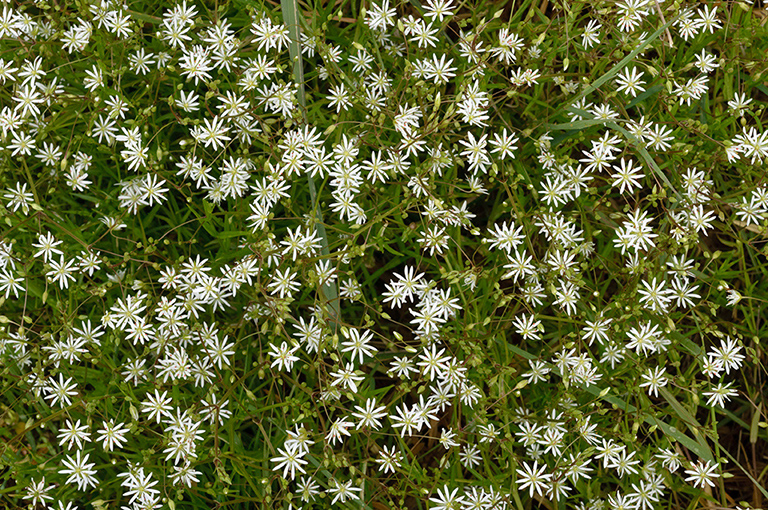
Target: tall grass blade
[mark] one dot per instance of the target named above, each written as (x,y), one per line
(621,65)
(291,18)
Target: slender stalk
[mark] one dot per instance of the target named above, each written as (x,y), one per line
(661,15)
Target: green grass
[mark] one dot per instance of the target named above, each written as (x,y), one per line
(484,343)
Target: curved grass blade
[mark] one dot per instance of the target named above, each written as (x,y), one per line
(618,67)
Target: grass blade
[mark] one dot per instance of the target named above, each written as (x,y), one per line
(291,19)
(590,121)
(621,65)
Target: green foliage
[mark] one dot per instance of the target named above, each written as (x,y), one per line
(383,255)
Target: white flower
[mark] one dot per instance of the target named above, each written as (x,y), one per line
(71,434)
(438,9)
(60,391)
(591,34)
(188,101)
(534,478)
(284,356)
(158,405)
(728,354)
(339,98)
(369,416)
(702,474)
(38,492)
(343,491)
(112,435)
(389,458)
(720,394)
(653,379)
(11,283)
(140,485)
(61,272)
(94,80)
(379,17)
(357,343)
(185,474)
(219,351)
(289,460)
(19,197)
(447,499)
(346,377)
(80,471)
(739,103)
(629,81)
(284,283)
(733,297)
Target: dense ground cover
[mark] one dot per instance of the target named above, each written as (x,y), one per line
(450,255)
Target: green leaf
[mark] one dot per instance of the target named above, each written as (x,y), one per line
(682,413)
(754,427)
(702,450)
